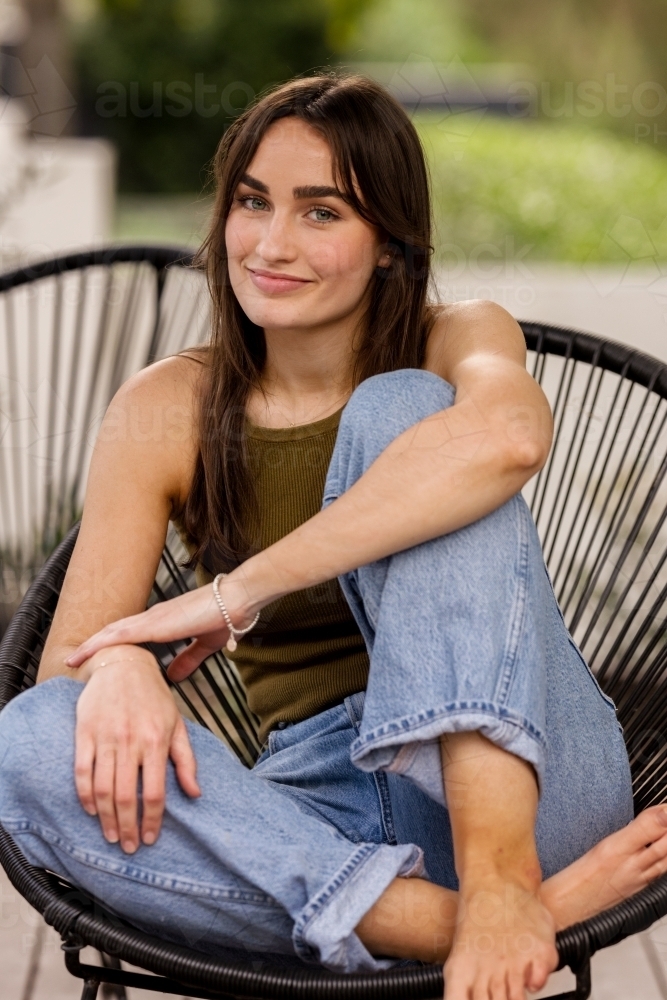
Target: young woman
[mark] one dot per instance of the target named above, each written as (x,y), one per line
(443,779)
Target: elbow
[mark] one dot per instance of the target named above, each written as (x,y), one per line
(525,458)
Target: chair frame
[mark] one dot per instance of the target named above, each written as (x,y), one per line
(82,920)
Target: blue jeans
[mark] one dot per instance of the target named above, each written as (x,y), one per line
(464,633)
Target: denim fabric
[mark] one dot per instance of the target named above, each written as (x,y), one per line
(464,633)
(244,866)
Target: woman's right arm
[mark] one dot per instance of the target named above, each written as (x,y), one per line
(126,716)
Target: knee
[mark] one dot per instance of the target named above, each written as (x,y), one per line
(37,736)
(396,400)
(378,411)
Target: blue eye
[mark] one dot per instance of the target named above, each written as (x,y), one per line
(323,214)
(255,203)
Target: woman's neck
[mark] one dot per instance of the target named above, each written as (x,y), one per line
(306,377)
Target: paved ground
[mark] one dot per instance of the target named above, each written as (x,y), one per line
(624,303)
(627,304)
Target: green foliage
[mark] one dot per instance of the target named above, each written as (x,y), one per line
(570,193)
(163,78)
(395,30)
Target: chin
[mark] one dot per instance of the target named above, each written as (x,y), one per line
(276,315)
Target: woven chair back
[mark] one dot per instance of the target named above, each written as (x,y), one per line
(72,330)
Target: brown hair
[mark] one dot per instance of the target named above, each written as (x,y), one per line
(377,153)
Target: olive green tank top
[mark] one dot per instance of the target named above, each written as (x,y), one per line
(306,653)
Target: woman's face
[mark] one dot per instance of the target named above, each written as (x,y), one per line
(299,255)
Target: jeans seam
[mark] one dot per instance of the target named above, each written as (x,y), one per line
(135,873)
(315,906)
(389,730)
(385,806)
(518,612)
(379,777)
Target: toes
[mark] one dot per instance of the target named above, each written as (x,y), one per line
(654,852)
(658,868)
(649,826)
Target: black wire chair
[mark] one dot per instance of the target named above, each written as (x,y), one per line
(72,330)
(600,505)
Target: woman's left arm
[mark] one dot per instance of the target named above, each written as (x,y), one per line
(443,473)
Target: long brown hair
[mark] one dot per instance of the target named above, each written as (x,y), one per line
(379,164)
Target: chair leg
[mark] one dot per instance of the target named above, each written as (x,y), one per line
(90,987)
(112,991)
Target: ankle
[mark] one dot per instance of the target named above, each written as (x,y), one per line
(483,873)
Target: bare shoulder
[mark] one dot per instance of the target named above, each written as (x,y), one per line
(150,427)
(473,326)
(174,379)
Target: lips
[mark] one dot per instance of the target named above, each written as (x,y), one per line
(274,283)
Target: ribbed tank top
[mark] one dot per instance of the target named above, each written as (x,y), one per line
(306,653)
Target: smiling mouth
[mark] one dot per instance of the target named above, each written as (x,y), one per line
(274,282)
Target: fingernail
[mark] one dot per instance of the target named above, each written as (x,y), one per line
(112,836)
(662,816)
(149,838)
(69,660)
(91,810)
(129,846)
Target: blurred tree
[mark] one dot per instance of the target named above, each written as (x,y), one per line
(398,30)
(163,78)
(618,46)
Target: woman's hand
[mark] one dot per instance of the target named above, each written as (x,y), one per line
(194,615)
(126,719)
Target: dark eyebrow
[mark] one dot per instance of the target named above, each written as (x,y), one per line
(252,182)
(319,191)
(311,191)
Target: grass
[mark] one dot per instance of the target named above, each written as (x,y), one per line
(568,192)
(180,220)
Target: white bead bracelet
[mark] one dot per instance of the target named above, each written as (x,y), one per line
(234,633)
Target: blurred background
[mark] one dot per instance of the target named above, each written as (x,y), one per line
(544,121)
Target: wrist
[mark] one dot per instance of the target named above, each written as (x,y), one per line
(249,588)
(135,655)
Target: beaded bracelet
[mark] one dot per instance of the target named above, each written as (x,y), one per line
(234,633)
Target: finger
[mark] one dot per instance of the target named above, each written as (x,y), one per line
(187,661)
(84,758)
(125,631)
(103,790)
(184,760)
(187,615)
(153,779)
(125,796)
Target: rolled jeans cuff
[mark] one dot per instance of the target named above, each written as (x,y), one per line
(409,746)
(324,930)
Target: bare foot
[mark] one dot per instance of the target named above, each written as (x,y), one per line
(504,942)
(617,867)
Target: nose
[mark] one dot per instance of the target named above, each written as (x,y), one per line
(277,243)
